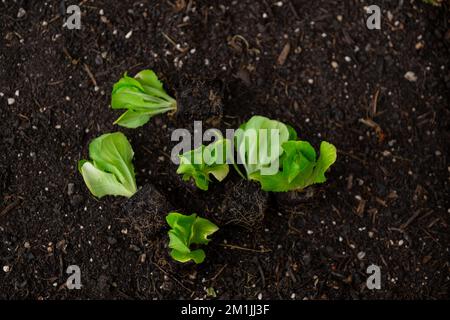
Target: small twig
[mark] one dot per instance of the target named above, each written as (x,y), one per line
(351,155)
(232,43)
(177,46)
(294,11)
(432,238)
(147,150)
(289,271)
(374,104)
(372,124)
(261,273)
(219,272)
(11,206)
(72,60)
(408,222)
(91,76)
(292,228)
(172,277)
(54,19)
(432,223)
(23,117)
(232,246)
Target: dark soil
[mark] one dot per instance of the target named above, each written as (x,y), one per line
(146,211)
(243,204)
(199,101)
(312,64)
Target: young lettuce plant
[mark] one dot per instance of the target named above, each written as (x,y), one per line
(258,144)
(143,96)
(186,231)
(110,170)
(294,164)
(199,163)
(300,167)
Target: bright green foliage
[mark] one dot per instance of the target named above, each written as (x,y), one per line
(199,163)
(110,171)
(296,164)
(186,231)
(299,167)
(143,96)
(257,146)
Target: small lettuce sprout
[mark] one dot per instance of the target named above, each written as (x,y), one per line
(111,171)
(300,168)
(186,231)
(259,145)
(199,163)
(143,96)
(279,162)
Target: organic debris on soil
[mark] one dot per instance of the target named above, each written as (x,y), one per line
(244,204)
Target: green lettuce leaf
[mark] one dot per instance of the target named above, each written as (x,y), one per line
(143,96)
(328,155)
(199,163)
(300,168)
(110,171)
(186,231)
(256,149)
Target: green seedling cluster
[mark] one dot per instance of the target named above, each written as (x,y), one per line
(278,162)
(187,231)
(293,163)
(200,163)
(143,97)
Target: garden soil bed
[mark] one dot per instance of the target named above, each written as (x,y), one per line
(312,64)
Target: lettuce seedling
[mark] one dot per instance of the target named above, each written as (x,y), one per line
(199,163)
(186,231)
(300,168)
(293,164)
(259,145)
(143,96)
(111,171)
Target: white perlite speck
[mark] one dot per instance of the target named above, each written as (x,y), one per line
(11,101)
(411,76)
(129,34)
(21,13)
(6,269)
